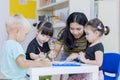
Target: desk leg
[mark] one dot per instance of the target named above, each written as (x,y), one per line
(94,76)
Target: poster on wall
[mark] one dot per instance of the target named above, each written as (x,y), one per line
(25,7)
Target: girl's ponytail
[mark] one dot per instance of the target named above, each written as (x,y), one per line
(106,30)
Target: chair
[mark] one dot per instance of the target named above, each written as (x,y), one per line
(111,65)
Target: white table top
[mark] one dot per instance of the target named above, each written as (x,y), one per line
(53,70)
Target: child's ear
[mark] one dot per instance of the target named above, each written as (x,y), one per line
(16,30)
(97,33)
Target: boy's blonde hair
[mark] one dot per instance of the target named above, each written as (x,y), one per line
(16,21)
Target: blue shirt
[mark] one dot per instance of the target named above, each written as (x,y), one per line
(9,67)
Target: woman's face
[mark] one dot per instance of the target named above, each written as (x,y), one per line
(76,29)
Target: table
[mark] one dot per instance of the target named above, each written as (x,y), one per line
(55,70)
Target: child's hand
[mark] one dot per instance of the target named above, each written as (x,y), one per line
(44,62)
(72,57)
(42,55)
(82,56)
(52,54)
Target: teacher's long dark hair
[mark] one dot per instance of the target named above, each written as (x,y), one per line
(65,33)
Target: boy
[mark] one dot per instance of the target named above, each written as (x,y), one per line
(13,64)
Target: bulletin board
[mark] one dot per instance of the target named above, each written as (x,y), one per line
(25,7)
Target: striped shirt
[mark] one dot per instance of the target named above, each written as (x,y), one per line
(80,45)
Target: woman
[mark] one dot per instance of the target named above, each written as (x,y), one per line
(71,38)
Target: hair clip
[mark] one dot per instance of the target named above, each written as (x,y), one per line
(99,27)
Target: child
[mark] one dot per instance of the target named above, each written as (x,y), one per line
(94,29)
(38,47)
(13,63)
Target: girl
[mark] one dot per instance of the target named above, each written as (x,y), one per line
(94,29)
(38,47)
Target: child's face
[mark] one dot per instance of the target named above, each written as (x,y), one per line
(91,34)
(76,30)
(42,38)
(21,34)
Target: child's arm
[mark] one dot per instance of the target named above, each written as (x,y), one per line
(34,56)
(42,55)
(72,57)
(98,58)
(30,63)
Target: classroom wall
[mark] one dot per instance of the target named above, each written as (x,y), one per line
(3,16)
(108,12)
(87,6)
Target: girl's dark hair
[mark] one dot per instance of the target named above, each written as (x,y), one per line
(98,25)
(65,33)
(45,28)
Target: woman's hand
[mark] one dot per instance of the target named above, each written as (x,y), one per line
(72,57)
